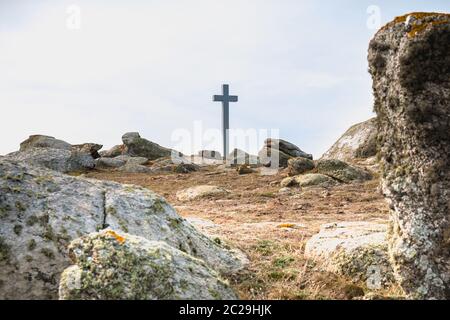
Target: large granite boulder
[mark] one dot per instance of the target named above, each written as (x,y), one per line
(353,249)
(409,62)
(299,165)
(55,159)
(210,154)
(118,266)
(58,155)
(277,152)
(42,141)
(41,211)
(358,142)
(136,146)
(342,171)
(238,157)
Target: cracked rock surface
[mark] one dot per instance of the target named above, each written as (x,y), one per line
(410,65)
(42,211)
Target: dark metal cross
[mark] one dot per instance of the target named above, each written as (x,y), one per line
(225,98)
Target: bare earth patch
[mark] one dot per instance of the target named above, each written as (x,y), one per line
(270,227)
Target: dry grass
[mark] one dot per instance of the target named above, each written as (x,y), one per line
(271,228)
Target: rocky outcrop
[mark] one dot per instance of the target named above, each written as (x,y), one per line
(41,141)
(136,146)
(118,266)
(198,192)
(299,165)
(113,152)
(210,154)
(410,65)
(89,148)
(358,142)
(342,171)
(58,155)
(42,211)
(354,249)
(277,152)
(60,160)
(239,157)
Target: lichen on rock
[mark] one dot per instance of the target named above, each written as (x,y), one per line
(410,65)
(113,266)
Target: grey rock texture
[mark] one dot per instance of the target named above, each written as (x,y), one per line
(41,141)
(104,163)
(136,146)
(342,171)
(210,154)
(89,148)
(358,142)
(409,62)
(61,160)
(308,180)
(41,211)
(239,157)
(113,152)
(51,153)
(118,266)
(357,250)
(278,152)
(299,165)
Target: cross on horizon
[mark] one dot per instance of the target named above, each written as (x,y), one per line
(225,98)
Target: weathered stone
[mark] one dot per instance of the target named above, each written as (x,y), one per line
(89,148)
(61,160)
(308,180)
(273,157)
(136,160)
(244,169)
(135,168)
(210,154)
(342,171)
(41,141)
(41,211)
(103,163)
(354,249)
(358,142)
(186,168)
(118,266)
(113,152)
(288,148)
(136,146)
(198,192)
(299,165)
(239,157)
(410,65)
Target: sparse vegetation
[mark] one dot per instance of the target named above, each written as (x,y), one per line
(258,220)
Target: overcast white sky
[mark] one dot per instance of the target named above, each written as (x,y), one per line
(153,66)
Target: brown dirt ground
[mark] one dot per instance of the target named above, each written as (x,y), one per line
(271,228)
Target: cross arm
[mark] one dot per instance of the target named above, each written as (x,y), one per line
(217,98)
(233,98)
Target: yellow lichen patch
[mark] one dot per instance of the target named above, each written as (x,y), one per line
(287,226)
(417,28)
(116,236)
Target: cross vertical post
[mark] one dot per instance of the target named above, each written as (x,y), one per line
(225,98)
